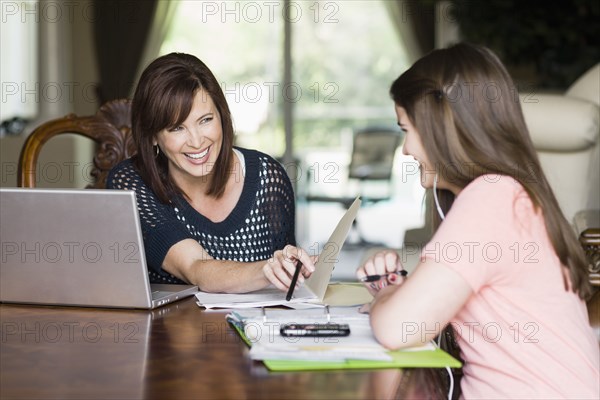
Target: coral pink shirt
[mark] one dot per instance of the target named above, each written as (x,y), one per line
(521,334)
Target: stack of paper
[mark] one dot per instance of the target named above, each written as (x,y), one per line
(337,294)
(261,298)
(261,331)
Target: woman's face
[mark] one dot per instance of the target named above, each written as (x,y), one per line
(193,147)
(413,146)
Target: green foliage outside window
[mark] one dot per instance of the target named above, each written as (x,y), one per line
(559,40)
(345,56)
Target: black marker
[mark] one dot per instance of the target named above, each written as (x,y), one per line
(290,292)
(375,278)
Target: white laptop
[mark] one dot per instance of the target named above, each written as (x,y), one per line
(76,247)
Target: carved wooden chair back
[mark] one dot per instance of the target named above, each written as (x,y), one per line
(110,128)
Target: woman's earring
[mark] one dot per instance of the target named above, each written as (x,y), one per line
(157,151)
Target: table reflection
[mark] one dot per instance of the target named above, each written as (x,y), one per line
(176,351)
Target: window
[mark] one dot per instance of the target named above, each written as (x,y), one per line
(18,69)
(345,54)
(344,57)
(241,43)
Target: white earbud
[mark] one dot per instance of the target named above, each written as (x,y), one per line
(435,197)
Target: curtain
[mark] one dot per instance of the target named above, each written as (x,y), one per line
(121,29)
(414,22)
(165,11)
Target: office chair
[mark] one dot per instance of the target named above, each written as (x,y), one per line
(110,128)
(372,159)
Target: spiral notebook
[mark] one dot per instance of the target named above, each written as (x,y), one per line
(359,350)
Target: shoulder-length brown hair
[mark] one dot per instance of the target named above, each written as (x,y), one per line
(163,98)
(466,109)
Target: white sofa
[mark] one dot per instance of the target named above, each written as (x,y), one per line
(565,130)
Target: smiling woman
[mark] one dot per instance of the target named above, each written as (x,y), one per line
(212,215)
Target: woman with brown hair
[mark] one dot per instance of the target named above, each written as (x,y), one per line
(504,268)
(213,215)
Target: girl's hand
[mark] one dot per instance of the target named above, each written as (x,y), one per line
(387,264)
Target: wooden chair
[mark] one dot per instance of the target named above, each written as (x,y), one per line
(110,128)
(590,240)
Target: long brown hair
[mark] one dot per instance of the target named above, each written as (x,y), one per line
(466,109)
(163,98)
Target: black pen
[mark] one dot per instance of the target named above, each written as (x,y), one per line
(290,292)
(375,278)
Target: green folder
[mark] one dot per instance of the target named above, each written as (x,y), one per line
(401,359)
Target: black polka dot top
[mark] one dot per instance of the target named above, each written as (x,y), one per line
(261,222)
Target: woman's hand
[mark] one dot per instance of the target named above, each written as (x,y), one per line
(280,268)
(385,263)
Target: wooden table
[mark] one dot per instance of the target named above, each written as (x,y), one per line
(177,351)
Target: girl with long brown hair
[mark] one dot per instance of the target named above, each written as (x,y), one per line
(504,268)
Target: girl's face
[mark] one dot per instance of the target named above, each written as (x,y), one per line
(193,147)
(413,146)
